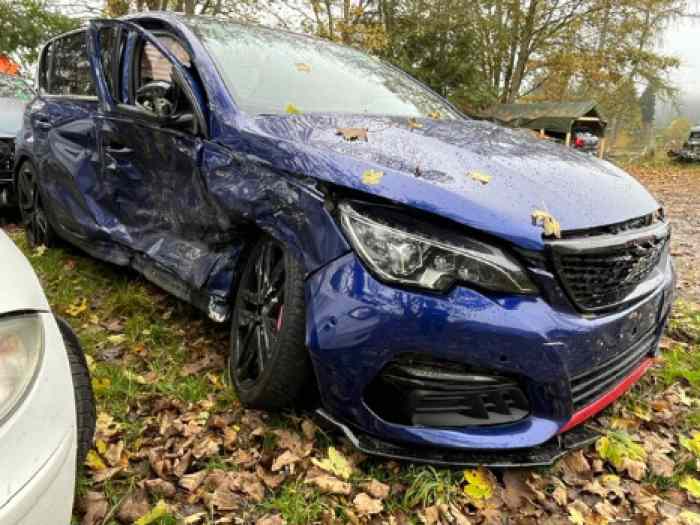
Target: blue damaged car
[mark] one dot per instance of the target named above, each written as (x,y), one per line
(458,292)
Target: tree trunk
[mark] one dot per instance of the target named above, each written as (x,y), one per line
(524,51)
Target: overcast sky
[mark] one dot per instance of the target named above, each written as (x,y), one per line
(681,39)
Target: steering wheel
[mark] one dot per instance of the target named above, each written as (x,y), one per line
(159,97)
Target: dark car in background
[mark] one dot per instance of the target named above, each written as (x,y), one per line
(691,147)
(459,292)
(15,92)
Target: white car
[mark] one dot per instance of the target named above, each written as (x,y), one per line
(47,409)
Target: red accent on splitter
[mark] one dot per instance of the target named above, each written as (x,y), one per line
(598,405)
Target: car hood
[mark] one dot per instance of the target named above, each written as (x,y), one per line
(11,111)
(475,173)
(20,287)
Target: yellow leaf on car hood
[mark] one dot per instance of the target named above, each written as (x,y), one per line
(549,224)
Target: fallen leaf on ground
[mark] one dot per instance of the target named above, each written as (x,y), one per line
(160,487)
(376,489)
(94,462)
(160,510)
(286,458)
(366,505)
(191,482)
(309,429)
(619,449)
(478,485)
(516,489)
(77,308)
(661,465)
(96,508)
(692,444)
(692,485)
(335,463)
(133,507)
(330,484)
(576,516)
(272,481)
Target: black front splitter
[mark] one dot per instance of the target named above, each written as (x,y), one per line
(540,456)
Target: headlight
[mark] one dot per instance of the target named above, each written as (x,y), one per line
(401,250)
(21,347)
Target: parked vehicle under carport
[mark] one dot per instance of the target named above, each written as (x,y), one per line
(690,151)
(15,92)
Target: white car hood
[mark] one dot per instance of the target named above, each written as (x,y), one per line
(19,284)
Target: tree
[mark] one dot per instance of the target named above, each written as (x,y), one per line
(26,24)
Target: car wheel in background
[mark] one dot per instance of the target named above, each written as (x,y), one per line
(37,228)
(82,389)
(269,363)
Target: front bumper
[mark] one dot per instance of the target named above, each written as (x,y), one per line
(38,444)
(357,325)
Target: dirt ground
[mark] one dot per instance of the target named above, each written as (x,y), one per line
(678,188)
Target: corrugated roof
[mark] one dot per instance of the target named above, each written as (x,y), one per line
(550,116)
(536,110)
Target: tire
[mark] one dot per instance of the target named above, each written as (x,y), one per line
(273,312)
(34,219)
(82,389)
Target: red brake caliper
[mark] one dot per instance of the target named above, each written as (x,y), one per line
(280,315)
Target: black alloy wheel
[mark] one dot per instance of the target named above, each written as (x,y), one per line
(36,224)
(269,362)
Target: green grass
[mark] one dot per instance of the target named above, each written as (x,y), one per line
(138,339)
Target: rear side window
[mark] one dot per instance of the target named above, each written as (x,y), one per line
(68,67)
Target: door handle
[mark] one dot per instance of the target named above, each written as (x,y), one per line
(116,147)
(120,151)
(43,123)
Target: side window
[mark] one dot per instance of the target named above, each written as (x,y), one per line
(155,66)
(156,87)
(69,69)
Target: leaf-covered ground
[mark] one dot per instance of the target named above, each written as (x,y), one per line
(173,445)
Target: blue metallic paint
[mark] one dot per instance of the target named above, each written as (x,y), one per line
(183,209)
(357,325)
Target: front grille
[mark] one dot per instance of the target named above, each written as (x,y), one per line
(599,273)
(613,229)
(439,394)
(592,384)
(7,157)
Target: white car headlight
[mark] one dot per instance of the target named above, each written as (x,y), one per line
(401,249)
(21,348)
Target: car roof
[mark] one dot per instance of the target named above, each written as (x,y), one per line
(21,290)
